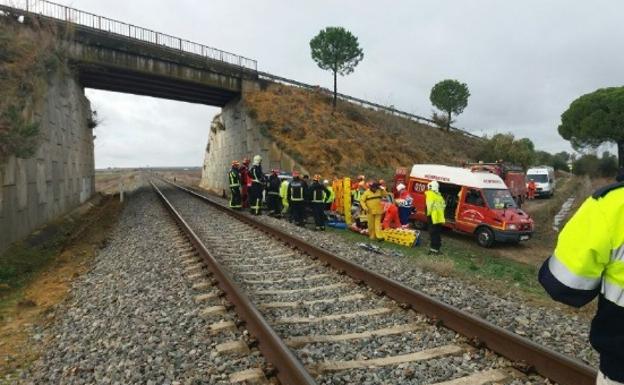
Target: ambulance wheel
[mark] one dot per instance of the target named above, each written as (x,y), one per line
(485,237)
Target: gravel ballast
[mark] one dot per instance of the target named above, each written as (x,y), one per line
(134,319)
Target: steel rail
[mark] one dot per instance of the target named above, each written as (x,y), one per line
(529,356)
(289,369)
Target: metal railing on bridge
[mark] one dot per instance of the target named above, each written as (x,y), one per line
(74,16)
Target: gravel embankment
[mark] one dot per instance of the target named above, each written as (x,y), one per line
(135,317)
(548,326)
(274,267)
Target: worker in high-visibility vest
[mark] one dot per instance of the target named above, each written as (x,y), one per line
(332,195)
(435,215)
(370,202)
(235,185)
(318,194)
(284,195)
(257,185)
(588,261)
(296,194)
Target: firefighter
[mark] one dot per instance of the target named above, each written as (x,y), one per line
(331,197)
(357,193)
(296,194)
(235,185)
(245,182)
(588,261)
(355,184)
(531,189)
(435,215)
(370,201)
(284,197)
(257,185)
(274,202)
(319,194)
(405,202)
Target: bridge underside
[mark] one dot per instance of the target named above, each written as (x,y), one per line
(149,84)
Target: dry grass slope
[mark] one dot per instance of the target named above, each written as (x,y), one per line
(353,140)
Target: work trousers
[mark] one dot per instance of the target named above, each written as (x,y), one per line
(435,233)
(604,380)
(404,214)
(255,198)
(374,226)
(318,209)
(296,211)
(274,203)
(391,218)
(235,198)
(245,196)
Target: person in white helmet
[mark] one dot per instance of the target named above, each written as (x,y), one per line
(435,215)
(257,185)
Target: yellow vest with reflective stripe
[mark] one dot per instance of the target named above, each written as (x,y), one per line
(590,248)
(435,206)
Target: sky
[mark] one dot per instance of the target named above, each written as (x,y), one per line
(523,61)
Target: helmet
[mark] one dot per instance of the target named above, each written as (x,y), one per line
(235,163)
(295,174)
(246,161)
(400,187)
(257,159)
(433,186)
(275,171)
(382,182)
(361,177)
(316,177)
(325,181)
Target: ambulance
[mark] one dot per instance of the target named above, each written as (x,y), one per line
(477,203)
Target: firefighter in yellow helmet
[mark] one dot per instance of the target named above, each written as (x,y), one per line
(371,203)
(588,261)
(435,215)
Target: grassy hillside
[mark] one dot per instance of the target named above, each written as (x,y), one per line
(353,140)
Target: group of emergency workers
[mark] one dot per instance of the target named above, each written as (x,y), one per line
(587,262)
(291,198)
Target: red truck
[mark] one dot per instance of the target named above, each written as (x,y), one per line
(513,176)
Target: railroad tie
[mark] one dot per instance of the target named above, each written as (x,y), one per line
(302,279)
(480,378)
(232,347)
(205,297)
(307,289)
(255,376)
(220,326)
(333,317)
(422,355)
(398,329)
(212,310)
(346,298)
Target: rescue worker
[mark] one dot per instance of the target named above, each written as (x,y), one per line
(531,187)
(435,215)
(284,197)
(332,195)
(391,214)
(296,198)
(235,185)
(245,182)
(357,193)
(274,202)
(370,201)
(319,194)
(588,261)
(355,184)
(405,202)
(257,186)
(382,185)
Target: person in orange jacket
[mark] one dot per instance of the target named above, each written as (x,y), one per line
(391,215)
(531,188)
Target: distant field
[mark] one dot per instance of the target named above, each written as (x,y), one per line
(107,181)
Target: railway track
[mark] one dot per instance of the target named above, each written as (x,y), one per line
(322,319)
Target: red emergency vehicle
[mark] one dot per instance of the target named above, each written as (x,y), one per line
(477,203)
(513,176)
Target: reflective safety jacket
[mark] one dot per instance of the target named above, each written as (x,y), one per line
(435,206)
(284,192)
(234,178)
(405,199)
(297,191)
(318,193)
(256,174)
(371,201)
(332,195)
(588,261)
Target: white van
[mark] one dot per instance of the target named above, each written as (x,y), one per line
(544,178)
